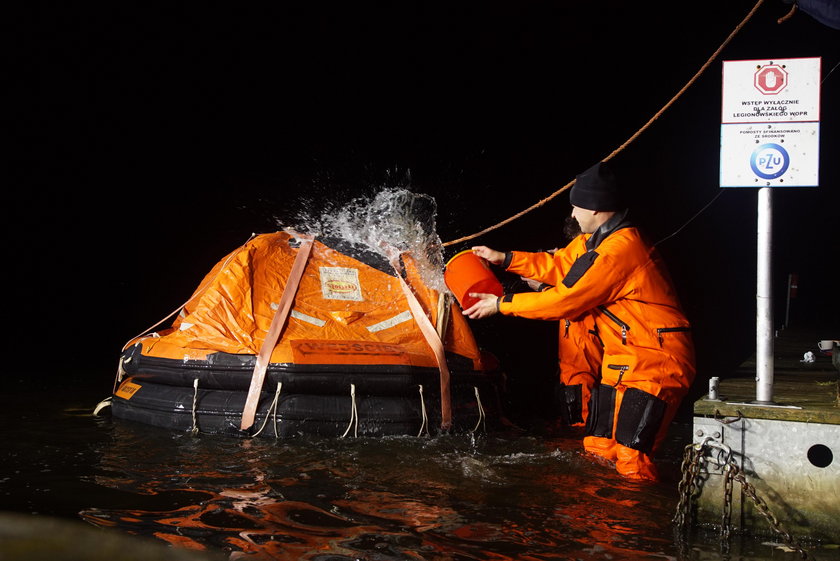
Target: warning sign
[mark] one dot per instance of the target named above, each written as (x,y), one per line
(770,91)
(770,123)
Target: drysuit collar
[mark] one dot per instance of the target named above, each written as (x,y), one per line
(616,222)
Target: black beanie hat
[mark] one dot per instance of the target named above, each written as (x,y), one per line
(596,189)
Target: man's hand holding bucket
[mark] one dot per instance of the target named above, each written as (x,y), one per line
(493,256)
(487,304)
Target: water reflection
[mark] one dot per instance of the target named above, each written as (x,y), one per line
(523,496)
(500,497)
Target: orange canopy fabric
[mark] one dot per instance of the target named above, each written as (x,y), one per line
(344,311)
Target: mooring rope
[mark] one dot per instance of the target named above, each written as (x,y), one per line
(272,411)
(481,415)
(627,142)
(424,425)
(354,414)
(194,429)
(787,16)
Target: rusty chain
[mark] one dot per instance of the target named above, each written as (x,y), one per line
(693,457)
(690,469)
(764,510)
(726,511)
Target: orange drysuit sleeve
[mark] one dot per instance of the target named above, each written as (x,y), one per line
(617,263)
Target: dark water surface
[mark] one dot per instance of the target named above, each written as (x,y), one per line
(526,495)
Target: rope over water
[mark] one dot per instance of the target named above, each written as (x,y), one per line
(354,414)
(424,426)
(194,429)
(628,141)
(272,411)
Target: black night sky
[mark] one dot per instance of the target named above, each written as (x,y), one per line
(147,142)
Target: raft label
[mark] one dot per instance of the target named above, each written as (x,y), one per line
(310,351)
(340,283)
(127,389)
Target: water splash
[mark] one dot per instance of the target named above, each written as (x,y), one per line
(391,219)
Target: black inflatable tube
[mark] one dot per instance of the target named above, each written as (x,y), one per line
(233,372)
(219,411)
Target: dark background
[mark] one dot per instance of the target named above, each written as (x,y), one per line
(147,142)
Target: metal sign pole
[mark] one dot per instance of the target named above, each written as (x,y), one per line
(769,138)
(764,300)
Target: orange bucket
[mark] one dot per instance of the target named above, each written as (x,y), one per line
(467,272)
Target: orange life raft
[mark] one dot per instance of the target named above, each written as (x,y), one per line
(349,354)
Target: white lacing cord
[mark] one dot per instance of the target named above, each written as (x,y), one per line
(480,409)
(194,429)
(120,371)
(272,411)
(354,415)
(102,405)
(424,426)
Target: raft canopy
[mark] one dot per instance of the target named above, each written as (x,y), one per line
(349,309)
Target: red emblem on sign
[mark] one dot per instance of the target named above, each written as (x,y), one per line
(771,79)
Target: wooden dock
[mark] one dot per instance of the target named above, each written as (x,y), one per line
(788,450)
(802,391)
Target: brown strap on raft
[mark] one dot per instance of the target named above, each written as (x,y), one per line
(277,324)
(435,342)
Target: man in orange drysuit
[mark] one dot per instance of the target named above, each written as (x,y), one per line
(579,352)
(611,273)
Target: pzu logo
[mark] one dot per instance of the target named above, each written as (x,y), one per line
(769,161)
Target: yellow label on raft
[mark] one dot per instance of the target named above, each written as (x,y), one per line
(127,389)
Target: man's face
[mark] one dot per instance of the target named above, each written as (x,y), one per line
(586,219)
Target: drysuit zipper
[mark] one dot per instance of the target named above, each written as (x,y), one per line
(622,368)
(661,330)
(624,327)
